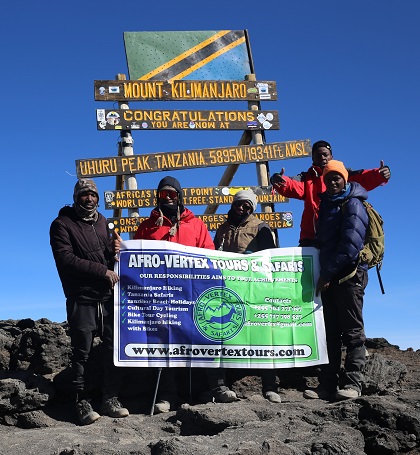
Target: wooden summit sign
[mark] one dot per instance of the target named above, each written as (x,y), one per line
(185,90)
(127,199)
(188,159)
(149,119)
(276,220)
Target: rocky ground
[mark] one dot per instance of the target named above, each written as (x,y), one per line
(37,415)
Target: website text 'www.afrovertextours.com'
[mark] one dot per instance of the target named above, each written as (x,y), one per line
(159,351)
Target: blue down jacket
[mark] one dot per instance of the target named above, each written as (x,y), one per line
(341,231)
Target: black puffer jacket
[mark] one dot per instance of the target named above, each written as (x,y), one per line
(341,231)
(82,253)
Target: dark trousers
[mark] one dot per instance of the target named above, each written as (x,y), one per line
(343,316)
(168,389)
(216,378)
(87,320)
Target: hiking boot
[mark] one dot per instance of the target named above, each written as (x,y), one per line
(162,406)
(225,396)
(318,394)
(85,413)
(347,393)
(113,408)
(272,396)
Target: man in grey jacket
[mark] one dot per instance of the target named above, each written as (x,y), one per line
(243,233)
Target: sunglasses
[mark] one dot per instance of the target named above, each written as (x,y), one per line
(171,194)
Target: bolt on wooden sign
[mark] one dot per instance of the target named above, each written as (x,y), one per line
(157,119)
(188,159)
(185,90)
(276,220)
(127,199)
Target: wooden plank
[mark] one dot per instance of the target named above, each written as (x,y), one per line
(258,138)
(128,199)
(189,159)
(161,119)
(184,90)
(276,220)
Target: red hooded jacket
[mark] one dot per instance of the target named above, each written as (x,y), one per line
(309,187)
(191,231)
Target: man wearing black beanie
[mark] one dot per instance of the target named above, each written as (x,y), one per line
(308,186)
(173,222)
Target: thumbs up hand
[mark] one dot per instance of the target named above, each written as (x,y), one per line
(384,170)
(277,179)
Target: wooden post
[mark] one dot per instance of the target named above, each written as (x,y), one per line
(126,149)
(262,168)
(257,138)
(230,171)
(119,184)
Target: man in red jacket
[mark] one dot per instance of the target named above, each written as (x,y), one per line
(173,222)
(308,186)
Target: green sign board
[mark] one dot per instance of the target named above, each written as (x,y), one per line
(200,55)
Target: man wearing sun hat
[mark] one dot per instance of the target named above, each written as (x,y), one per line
(243,233)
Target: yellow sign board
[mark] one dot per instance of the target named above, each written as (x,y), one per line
(185,90)
(276,220)
(165,119)
(188,159)
(127,199)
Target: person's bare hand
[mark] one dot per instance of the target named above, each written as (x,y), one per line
(384,170)
(116,244)
(112,277)
(321,286)
(277,179)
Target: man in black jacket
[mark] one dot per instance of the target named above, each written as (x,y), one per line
(84,257)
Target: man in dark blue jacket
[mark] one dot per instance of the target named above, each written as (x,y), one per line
(340,236)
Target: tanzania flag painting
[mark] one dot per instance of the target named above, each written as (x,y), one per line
(196,55)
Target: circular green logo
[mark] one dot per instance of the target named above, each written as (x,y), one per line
(219,313)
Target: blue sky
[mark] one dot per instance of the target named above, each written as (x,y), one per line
(346,72)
